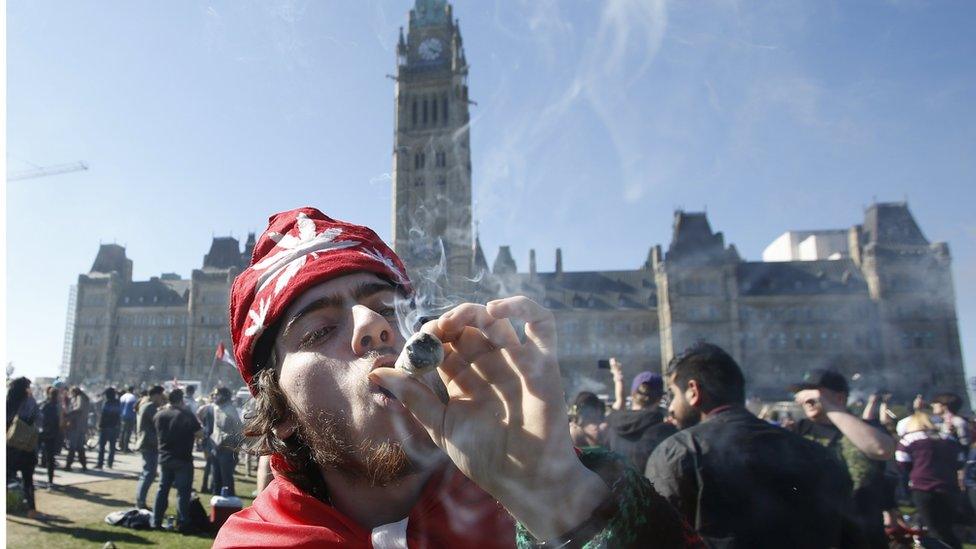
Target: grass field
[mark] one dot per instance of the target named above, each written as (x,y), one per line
(76,518)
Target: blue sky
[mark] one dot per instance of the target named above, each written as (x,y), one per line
(201,119)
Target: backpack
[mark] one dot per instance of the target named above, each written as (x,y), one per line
(22,435)
(131,518)
(199,521)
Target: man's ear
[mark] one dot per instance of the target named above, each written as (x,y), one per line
(286,428)
(693,393)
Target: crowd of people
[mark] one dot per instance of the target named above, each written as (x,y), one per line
(834,477)
(167,427)
(476,453)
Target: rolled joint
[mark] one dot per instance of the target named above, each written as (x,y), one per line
(421,353)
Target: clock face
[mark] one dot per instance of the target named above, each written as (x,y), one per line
(430,49)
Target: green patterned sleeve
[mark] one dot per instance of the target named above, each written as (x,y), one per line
(641,517)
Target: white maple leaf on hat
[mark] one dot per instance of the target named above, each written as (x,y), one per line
(385,260)
(294,251)
(257,316)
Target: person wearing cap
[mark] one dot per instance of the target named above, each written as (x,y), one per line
(636,432)
(863,446)
(740,480)
(475,453)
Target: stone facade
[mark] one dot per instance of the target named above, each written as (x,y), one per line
(881,308)
(431,148)
(882,311)
(128,331)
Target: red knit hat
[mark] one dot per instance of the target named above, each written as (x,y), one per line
(300,249)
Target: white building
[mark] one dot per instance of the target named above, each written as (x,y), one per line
(808,246)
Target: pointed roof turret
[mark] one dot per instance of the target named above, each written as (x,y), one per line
(504,262)
(892,224)
(111,258)
(480,263)
(225,252)
(693,239)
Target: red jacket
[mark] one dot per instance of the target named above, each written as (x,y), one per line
(452,512)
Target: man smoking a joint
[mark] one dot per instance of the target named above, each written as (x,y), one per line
(475,453)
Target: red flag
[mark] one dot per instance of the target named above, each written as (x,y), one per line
(224,355)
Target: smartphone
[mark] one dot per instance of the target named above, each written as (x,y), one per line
(603,364)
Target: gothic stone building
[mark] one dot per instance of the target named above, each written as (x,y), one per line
(875,300)
(127,331)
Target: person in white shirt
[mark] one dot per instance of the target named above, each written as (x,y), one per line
(190,399)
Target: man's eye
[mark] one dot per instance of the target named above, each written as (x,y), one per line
(387,311)
(312,337)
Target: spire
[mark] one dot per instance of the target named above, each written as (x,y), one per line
(504,262)
(480,263)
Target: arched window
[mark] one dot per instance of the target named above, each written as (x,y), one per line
(414,111)
(433,111)
(425,113)
(444,109)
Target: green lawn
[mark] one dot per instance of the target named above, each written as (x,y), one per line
(76,518)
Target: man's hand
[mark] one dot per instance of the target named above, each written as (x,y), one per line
(619,399)
(874,443)
(505,423)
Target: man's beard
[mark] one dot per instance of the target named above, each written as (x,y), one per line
(332,446)
(689,418)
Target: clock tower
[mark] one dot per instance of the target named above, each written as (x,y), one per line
(431,148)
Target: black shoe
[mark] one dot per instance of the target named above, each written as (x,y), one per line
(99,466)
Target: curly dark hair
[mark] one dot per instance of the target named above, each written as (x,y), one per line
(271,410)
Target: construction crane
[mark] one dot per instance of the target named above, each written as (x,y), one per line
(44,171)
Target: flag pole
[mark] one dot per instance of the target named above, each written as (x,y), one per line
(213,364)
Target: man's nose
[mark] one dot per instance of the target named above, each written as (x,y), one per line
(370,330)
